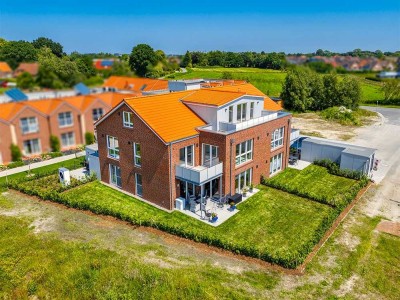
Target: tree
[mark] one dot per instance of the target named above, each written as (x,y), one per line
(296,90)
(89,138)
(55,47)
(55,143)
(332,95)
(142,59)
(16,154)
(391,90)
(25,81)
(350,92)
(15,52)
(187,60)
(55,72)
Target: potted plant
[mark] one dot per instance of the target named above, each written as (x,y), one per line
(214,217)
(232,205)
(251,188)
(244,191)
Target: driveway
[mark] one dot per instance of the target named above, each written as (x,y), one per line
(385,137)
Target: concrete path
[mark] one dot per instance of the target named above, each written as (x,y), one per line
(41,164)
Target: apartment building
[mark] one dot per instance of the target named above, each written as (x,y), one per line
(208,143)
(29,124)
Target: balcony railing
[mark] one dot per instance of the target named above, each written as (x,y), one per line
(265,117)
(199,174)
(294,134)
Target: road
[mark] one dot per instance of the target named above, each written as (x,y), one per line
(385,137)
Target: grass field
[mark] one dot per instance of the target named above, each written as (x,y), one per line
(315,183)
(270,81)
(259,229)
(83,256)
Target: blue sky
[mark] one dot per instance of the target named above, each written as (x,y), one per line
(177,26)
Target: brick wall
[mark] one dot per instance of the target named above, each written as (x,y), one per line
(155,167)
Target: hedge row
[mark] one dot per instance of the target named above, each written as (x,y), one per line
(334,169)
(173,223)
(339,200)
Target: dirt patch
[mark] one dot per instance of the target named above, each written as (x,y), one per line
(392,228)
(43,225)
(349,241)
(347,286)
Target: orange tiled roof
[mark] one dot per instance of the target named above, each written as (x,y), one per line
(9,110)
(113,99)
(212,96)
(4,67)
(250,89)
(31,68)
(270,104)
(167,115)
(46,106)
(136,84)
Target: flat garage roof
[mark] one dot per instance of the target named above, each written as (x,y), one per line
(347,148)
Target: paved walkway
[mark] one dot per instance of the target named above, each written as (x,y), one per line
(41,164)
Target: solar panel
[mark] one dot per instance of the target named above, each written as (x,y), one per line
(82,89)
(16,95)
(107,63)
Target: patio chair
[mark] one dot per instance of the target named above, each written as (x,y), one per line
(222,201)
(192,206)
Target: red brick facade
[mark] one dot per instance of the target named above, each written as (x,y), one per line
(159,160)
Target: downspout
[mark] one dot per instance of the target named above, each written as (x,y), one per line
(170,172)
(232,141)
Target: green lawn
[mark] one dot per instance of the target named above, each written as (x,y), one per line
(313,182)
(43,267)
(270,81)
(70,164)
(260,229)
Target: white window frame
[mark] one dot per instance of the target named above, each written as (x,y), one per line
(213,152)
(114,174)
(187,163)
(70,137)
(112,150)
(241,112)
(275,164)
(246,176)
(127,119)
(31,126)
(251,110)
(245,152)
(137,157)
(277,138)
(230,114)
(38,149)
(139,186)
(97,113)
(63,117)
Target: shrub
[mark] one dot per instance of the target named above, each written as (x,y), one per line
(15,164)
(55,143)
(89,138)
(334,169)
(16,154)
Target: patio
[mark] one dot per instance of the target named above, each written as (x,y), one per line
(299,164)
(223,212)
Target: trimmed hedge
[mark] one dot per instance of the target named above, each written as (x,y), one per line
(334,169)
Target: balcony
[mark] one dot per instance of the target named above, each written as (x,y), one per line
(266,116)
(199,174)
(294,134)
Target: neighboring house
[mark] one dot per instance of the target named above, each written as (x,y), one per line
(203,143)
(5,70)
(29,124)
(104,63)
(139,86)
(25,127)
(31,68)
